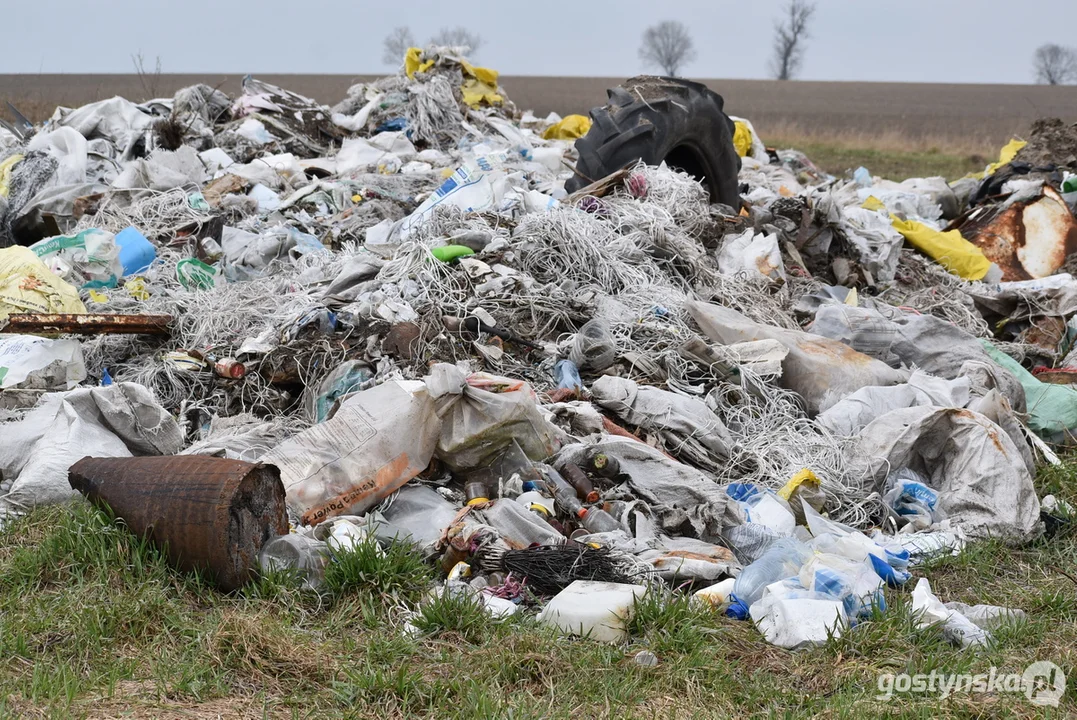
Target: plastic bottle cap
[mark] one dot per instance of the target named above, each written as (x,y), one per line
(477,501)
(538,508)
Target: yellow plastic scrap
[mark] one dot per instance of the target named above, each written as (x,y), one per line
(28,286)
(949,249)
(480,86)
(873,203)
(413,62)
(742,138)
(5,173)
(569,127)
(804,477)
(1006,155)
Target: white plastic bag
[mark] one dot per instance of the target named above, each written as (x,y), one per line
(753,254)
(378,440)
(119,420)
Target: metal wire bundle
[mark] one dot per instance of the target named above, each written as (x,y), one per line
(549,569)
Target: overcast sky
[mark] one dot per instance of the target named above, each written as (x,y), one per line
(980,41)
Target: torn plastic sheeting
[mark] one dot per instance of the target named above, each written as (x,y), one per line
(1054,296)
(28,361)
(239,437)
(117,120)
(377,441)
(689,428)
(163,170)
(1052,409)
(950,249)
(984,488)
(477,423)
(683,500)
(27,285)
(929,611)
(820,370)
(860,409)
(680,559)
(247,255)
(875,241)
(119,420)
(934,346)
(1028,236)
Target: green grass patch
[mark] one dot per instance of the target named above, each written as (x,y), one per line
(838,159)
(93,623)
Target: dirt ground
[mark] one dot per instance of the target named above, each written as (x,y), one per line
(947,117)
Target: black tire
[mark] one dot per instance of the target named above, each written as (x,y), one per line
(660,118)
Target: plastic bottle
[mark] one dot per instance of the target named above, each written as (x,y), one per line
(585,491)
(594,348)
(605,466)
(598,520)
(563,493)
(298,553)
(781,560)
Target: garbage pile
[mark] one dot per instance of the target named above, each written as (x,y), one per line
(388,321)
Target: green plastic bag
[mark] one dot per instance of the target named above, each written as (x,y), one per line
(1052,409)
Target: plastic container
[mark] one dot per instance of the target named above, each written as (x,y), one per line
(597,610)
(782,559)
(594,348)
(300,553)
(136,252)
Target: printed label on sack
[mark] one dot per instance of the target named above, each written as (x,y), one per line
(385,480)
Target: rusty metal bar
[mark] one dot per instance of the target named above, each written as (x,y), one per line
(88,324)
(206,513)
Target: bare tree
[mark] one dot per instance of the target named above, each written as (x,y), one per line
(790,34)
(396,44)
(458,37)
(668,46)
(150,80)
(1055,65)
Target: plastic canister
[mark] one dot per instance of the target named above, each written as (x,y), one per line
(136,252)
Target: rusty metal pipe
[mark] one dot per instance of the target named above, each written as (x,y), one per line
(206,513)
(88,324)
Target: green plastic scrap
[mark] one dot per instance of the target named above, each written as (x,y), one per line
(448,253)
(1052,409)
(194,274)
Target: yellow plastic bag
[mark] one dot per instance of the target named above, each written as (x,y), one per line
(742,138)
(28,286)
(949,249)
(570,127)
(5,173)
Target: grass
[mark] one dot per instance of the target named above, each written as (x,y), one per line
(93,623)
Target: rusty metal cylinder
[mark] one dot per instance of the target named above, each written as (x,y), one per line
(206,513)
